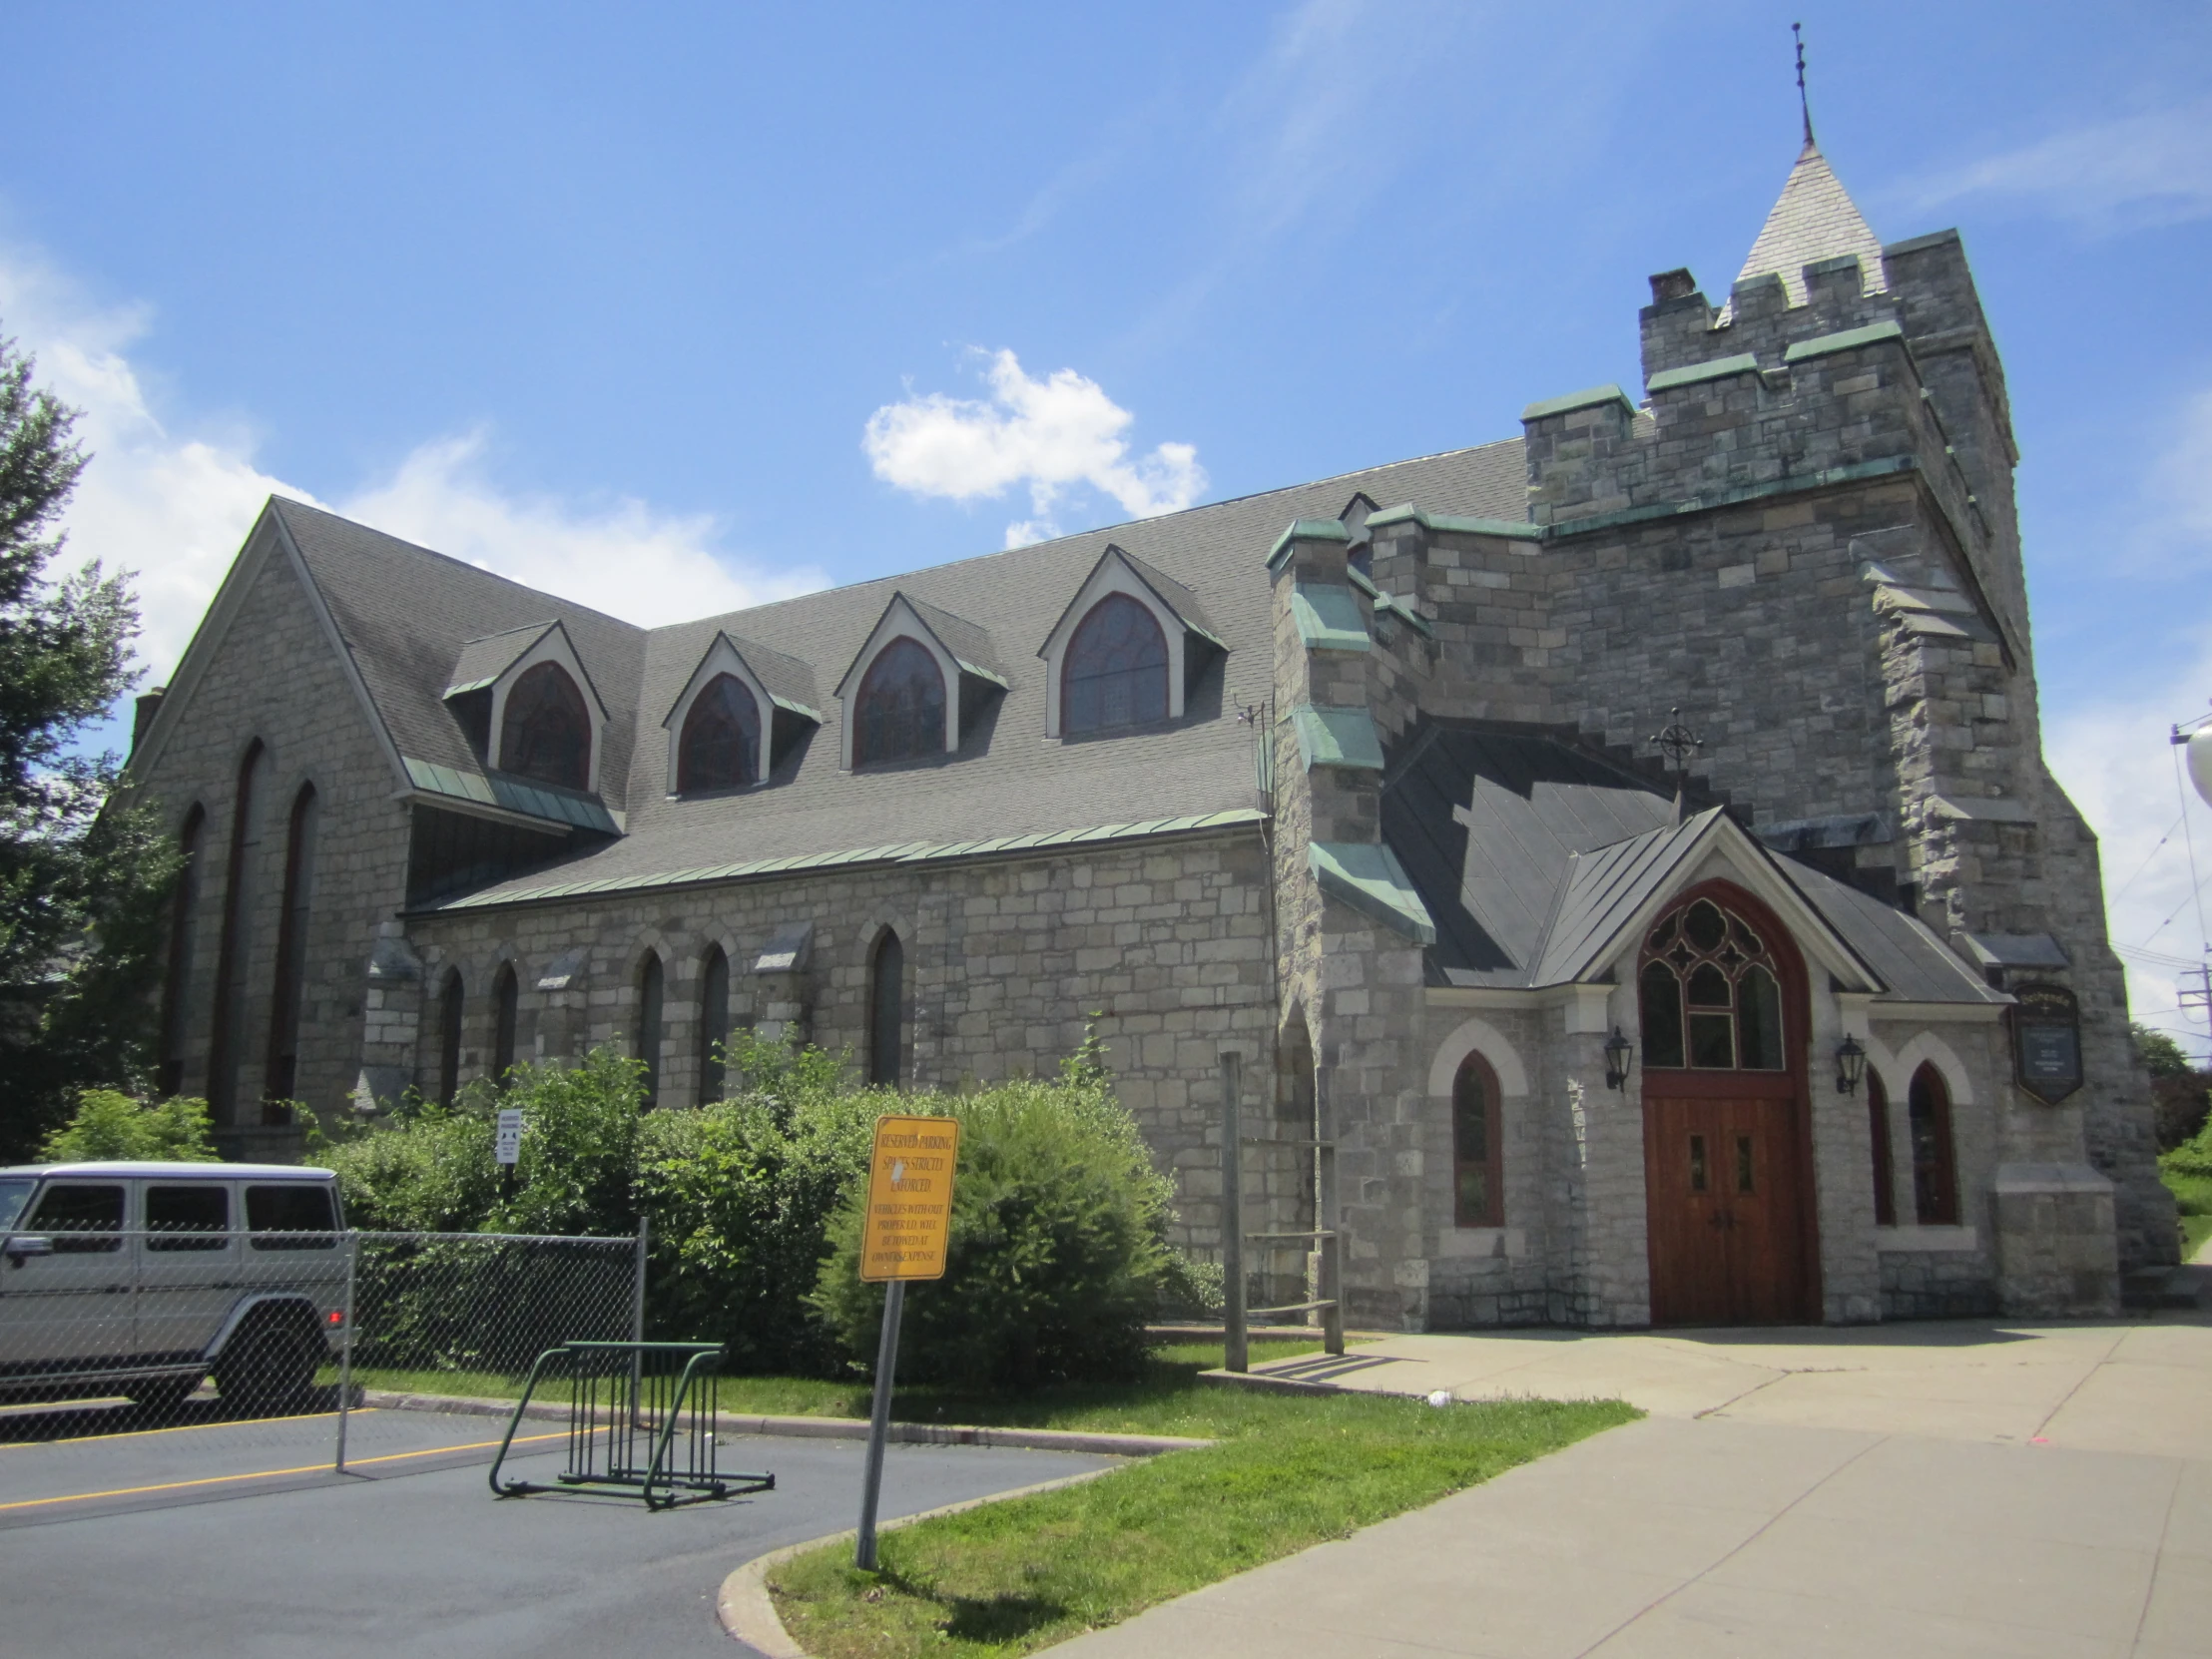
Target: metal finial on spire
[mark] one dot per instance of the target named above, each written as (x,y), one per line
(1805,107)
(1677,743)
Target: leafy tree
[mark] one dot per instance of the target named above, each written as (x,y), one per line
(111,1125)
(2160,1054)
(83,876)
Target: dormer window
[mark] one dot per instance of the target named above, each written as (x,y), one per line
(546,732)
(919,687)
(1127,652)
(527,707)
(1115,672)
(721,745)
(745,711)
(900,714)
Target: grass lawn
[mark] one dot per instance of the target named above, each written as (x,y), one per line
(1288,1471)
(1127,1409)
(2193,1197)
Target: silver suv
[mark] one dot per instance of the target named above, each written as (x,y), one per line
(140,1279)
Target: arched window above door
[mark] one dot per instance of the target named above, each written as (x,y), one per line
(1710,990)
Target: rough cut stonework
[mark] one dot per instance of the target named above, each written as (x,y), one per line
(1401,824)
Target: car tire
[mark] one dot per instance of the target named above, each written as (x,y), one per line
(267,1370)
(161,1398)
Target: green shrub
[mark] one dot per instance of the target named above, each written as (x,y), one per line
(1058,1254)
(739,1196)
(110,1125)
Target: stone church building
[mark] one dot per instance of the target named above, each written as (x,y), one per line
(1813,1020)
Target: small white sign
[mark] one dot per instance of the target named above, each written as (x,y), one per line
(507,1145)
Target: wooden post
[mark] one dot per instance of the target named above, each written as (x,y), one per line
(1236,1354)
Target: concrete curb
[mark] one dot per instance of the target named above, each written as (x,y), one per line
(826,1429)
(748,1612)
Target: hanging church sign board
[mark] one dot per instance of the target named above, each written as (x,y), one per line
(2047,1041)
(910,1198)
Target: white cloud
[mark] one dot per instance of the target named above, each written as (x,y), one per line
(2151,168)
(1049,435)
(623,557)
(2117,765)
(174,506)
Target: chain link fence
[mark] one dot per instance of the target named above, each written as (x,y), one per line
(270,1336)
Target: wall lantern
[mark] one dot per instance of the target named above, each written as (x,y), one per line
(1850,1065)
(1617,1052)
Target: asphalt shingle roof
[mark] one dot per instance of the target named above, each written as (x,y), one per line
(406,613)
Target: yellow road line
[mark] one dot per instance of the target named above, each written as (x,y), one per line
(181,1428)
(271,1475)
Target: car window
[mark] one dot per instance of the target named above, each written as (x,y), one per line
(80,1218)
(195,1217)
(278,1214)
(12,1195)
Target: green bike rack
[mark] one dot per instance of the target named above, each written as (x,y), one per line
(639,1423)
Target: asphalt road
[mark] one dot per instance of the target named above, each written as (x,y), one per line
(186,1542)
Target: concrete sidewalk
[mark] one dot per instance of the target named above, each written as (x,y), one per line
(1924,1489)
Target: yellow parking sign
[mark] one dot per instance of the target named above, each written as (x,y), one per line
(909,1198)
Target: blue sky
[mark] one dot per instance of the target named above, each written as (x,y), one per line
(670,308)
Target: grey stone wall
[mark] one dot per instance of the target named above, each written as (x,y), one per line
(276,677)
(1005,958)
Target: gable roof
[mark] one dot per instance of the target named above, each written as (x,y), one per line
(484,661)
(1813,219)
(1534,856)
(1181,602)
(405,616)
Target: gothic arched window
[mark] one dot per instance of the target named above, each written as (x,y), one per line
(721,745)
(887,1010)
(714,1023)
(900,714)
(1934,1164)
(1877,1127)
(545,732)
(449,1039)
(183,929)
(650,980)
(1477,1184)
(285,1023)
(1711,993)
(1116,669)
(506,1001)
(234,951)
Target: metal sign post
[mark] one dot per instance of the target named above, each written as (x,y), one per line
(908,1225)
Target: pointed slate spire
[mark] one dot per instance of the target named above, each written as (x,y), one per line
(1813,219)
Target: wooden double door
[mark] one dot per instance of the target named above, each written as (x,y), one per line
(1730,1223)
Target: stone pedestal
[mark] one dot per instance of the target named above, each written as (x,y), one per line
(2057,1253)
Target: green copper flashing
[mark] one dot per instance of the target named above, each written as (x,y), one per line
(1857,472)
(1849,340)
(1306,529)
(1344,738)
(1512,529)
(1329,618)
(904,852)
(1587,399)
(1369,877)
(1691,374)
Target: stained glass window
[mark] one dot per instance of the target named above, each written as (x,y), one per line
(546,731)
(1935,1176)
(1116,669)
(1478,1198)
(900,714)
(721,743)
(1710,995)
